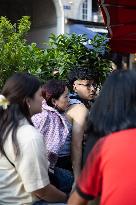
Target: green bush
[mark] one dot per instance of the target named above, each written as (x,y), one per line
(63,53)
(68,51)
(15,53)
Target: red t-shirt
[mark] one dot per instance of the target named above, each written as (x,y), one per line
(110,170)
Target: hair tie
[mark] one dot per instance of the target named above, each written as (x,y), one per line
(4,102)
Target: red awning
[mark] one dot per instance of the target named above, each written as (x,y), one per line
(120,19)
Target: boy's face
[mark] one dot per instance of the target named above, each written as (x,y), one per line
(86,89)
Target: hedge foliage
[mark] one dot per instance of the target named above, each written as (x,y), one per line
(63,53)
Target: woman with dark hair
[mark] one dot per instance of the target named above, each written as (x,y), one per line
(56,131)
(110,170)
(23,162)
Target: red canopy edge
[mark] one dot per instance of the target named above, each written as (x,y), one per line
(120,19)
(123,46)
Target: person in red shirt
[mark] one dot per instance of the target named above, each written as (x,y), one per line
(110,169)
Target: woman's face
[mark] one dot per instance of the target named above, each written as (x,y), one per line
(63,101)
(35,103)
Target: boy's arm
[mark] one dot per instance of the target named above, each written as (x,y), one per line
(79,115)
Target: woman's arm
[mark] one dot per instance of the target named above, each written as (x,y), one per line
(51,194)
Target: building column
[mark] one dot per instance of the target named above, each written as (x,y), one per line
(60,16)
(89,10)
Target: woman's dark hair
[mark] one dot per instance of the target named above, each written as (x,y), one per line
(115,108)
(16,89)
(53,89)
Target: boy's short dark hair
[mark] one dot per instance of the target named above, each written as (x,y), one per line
(81,73)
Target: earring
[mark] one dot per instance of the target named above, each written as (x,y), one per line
(29,106)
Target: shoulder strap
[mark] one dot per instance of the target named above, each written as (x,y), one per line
(9,160)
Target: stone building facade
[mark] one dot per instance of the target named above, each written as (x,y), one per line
(47,16)
(85,10)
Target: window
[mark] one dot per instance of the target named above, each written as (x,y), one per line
(89,11)
(85,10)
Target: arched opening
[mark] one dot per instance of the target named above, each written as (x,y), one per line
(46,17)
(43,21)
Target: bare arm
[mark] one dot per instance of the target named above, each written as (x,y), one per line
(75,199)
(78,113)
(51,194)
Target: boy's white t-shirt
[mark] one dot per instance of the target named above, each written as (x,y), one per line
(31,167)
